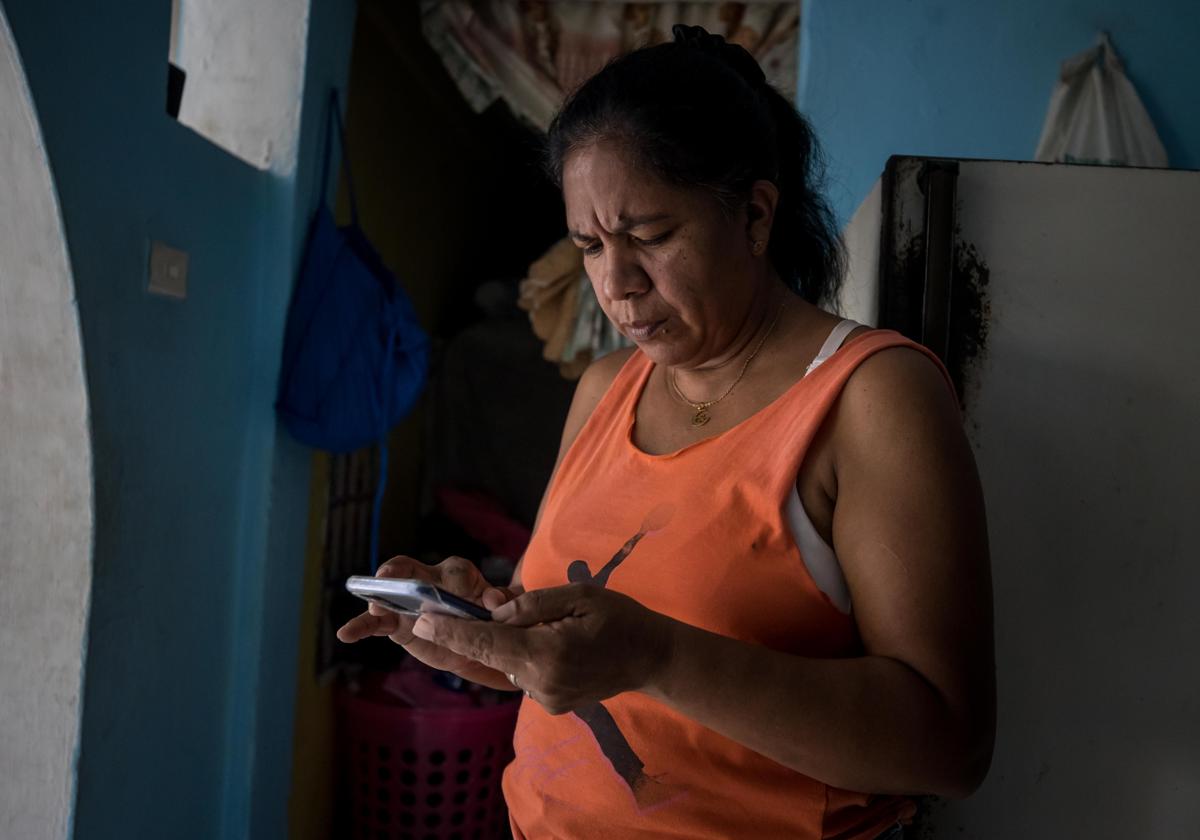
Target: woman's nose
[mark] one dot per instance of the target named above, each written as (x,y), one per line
(623,277)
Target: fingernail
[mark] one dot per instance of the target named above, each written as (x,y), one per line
(423,628)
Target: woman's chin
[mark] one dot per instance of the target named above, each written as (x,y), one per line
(661,351)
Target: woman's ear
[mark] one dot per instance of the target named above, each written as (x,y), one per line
(760,215)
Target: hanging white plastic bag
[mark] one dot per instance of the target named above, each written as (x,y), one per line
(1095,115)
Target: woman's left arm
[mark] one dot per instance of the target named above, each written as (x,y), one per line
(914,714)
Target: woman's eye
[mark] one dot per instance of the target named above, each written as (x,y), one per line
(591,250)
(657,240)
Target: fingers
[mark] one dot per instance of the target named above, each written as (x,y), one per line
(459,576)
(456,575)
(534,660)
(406,567)
(496,596)
(398,567)
(369,624)
(487,642)
(544,605)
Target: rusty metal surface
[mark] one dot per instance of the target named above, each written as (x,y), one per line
(950,317)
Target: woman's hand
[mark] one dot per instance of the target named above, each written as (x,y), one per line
(455,575)
(567,647)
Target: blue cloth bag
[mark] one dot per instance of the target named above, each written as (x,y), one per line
(355,358)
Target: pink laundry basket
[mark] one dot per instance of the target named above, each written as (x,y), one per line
(423,774)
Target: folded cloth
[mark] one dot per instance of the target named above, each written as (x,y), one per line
(564,311)
(550,294)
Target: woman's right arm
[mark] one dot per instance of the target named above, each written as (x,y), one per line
(461,577)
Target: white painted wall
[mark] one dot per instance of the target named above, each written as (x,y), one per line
(45,482)
(1083,413)
(858,298)
(1085,429)
(245,74)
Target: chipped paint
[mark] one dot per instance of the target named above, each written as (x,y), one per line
(970,314)
(245,73)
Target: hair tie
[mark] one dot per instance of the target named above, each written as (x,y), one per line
(736,56)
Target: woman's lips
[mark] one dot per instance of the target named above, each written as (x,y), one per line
(644,330)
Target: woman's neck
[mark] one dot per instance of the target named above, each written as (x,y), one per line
(709,379)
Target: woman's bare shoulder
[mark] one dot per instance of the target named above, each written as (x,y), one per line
(594,383)
(897,423)
(600,374)
(901,382)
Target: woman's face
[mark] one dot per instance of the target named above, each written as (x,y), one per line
(670,268)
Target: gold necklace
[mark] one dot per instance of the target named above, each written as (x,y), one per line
(701,408)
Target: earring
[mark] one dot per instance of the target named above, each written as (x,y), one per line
(757,246)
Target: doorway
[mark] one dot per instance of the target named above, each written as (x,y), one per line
(457,206)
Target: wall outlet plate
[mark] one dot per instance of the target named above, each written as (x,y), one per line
(168,271)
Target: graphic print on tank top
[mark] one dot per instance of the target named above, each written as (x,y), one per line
(648,791)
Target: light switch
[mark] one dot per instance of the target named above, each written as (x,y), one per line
(168,271)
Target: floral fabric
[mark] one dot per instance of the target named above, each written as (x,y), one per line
(532,54)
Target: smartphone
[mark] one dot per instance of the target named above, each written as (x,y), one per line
(412,597)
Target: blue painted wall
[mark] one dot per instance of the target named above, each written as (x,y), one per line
(200,497)
(941,77)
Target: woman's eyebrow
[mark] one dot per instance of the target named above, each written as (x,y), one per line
(624,225)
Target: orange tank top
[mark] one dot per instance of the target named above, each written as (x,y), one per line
(699,535)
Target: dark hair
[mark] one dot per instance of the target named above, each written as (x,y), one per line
(698,112)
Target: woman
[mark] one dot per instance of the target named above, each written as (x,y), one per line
(757,602)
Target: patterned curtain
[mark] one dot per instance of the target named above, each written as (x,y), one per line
(532,54)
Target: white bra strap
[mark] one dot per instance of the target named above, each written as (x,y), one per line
(836,337)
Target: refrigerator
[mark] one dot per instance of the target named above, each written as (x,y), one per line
(1064,299)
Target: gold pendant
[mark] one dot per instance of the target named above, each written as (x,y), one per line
(700,417)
